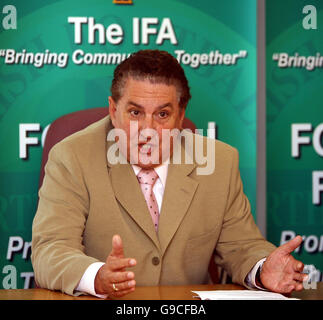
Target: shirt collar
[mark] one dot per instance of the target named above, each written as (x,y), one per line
(161,170)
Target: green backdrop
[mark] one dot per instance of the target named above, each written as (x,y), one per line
(223,94)
(294,96)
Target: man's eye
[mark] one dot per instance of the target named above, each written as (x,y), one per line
(135,113)
(163,114)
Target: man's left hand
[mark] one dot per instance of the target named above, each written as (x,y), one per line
(281,272)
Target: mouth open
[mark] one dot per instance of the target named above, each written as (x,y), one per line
(145,148)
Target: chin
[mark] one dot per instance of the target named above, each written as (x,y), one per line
(147,160)
(147,166)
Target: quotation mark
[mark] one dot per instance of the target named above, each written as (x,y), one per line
(2,52)
(242,53)
(275,56)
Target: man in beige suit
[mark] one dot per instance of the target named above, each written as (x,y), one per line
(98,231)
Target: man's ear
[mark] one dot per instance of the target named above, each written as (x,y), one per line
(181,117)
(112,109)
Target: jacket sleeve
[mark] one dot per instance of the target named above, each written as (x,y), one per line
(240,245)
(58,256)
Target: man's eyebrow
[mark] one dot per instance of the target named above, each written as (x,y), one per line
(167,104)
(135,104)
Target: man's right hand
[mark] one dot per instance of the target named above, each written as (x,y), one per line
(112,278)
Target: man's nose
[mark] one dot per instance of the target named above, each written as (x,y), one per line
(147,128)
(147,122)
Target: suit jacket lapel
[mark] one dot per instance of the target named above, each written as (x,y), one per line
(179,192)
(128,193)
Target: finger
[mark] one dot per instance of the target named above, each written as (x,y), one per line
(122,286)
(299,266)
(299,287)
(288,286)
(117,247)
(300,277)
(118,294)
(296,266)
(118,264)
(118,277)
(291,245)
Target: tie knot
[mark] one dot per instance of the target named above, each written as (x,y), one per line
(147,176)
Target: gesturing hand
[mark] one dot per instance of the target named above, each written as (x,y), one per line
(112,278)
(281,272)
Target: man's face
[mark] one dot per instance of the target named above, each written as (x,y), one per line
(146,106)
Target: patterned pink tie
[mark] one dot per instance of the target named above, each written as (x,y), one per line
(147,179)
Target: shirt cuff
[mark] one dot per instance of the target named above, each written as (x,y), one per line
(86,283)
(251,276)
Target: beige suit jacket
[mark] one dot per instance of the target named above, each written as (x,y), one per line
(85,200)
